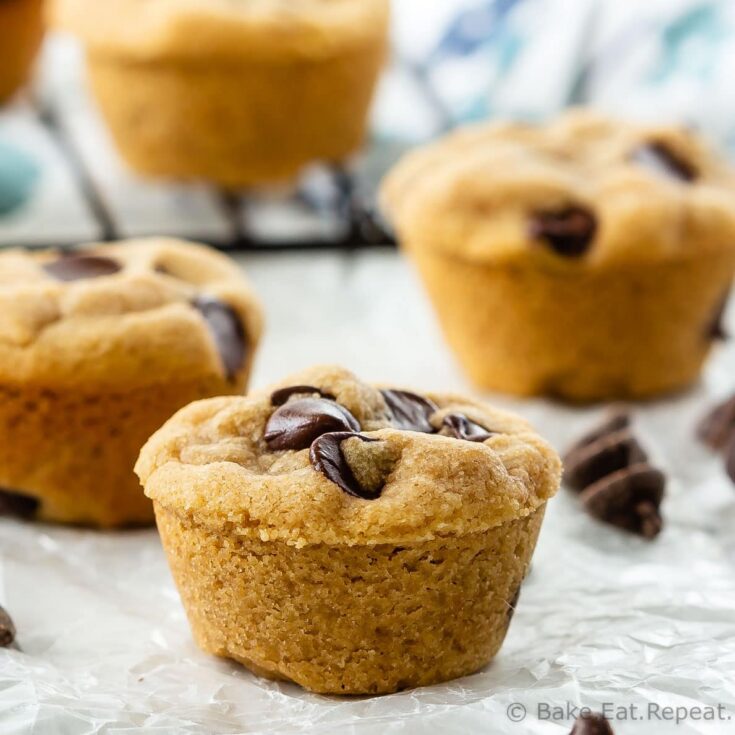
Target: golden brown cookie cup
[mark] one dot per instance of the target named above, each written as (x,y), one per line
(21,30)
(374,619)
(581,334)
(237,123)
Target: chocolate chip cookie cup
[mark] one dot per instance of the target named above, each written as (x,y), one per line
(349,539)
(589,259)
(267,87)
(99,348)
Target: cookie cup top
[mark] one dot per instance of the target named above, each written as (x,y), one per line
(582,192)
(224,30)
(211,464)
(122,316)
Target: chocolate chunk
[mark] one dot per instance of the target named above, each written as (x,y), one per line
(296,424)
(568,231)
(593,460)
(18,505)
(660,158)
(409,411)
(327,457)
(718,426)
(280,396)
(716,327)
(7,629)
(77,267)
(591,723)
(227,331)
(460,427)
(616,420)
(629,499)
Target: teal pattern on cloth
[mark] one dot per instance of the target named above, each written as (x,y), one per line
(19,173)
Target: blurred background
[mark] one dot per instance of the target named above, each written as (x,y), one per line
(453,61)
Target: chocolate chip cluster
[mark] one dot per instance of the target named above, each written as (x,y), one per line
(308,417)
(616,484)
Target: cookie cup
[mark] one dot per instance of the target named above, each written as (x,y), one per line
(281,570)
(624,331)
(21,30)
(259,96)
(91,367)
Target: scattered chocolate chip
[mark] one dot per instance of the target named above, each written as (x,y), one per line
(409,411)
(227,330)
(18,505)
(718,426)
(662,159)
(77,267)
(716,327)
(629,499)
(327,457)
(296,424)
(460,427)
(616,484)
(592,461)
(280,396)
(568,231)
(592,723)
(7,629)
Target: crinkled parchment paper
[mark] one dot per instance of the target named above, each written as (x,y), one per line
(605,619)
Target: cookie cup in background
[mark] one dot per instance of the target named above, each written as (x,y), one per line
(263,91)
(21,30)
(347,541)
(587,260)
(99,348)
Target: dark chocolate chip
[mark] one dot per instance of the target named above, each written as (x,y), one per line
(18,505)
(7,629)
(296,424)
(592,461)
(629,499)
(716,327)
(77,267)
(227,331)
(460,427)
(718,426)
(663,160)
(591,723)
(616,420)
(568,231)
(327,457)
(409,411)
(280,396)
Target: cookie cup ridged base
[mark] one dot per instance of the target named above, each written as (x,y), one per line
(73,452)
(238,123)
(340,619)
(619,331)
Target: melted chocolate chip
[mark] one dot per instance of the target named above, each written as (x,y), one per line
(280,396)
(7,629)
(227,331)
(459,426)
(297,423)
(17,504)
(591,723)
(629,499)
(717,428)
(660,158)
(327,457)
(569,231)
(594,460)
(77,267)
(409,411)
